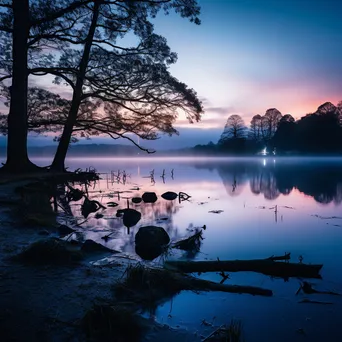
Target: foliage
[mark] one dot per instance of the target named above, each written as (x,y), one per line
(234,129)
(81,43)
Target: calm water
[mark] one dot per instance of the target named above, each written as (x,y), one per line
(308,223)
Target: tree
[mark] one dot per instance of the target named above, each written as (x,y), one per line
(270,123)
(234,135)
(284,138)
(18,19)
(339,110)
(255,131)
(133,80)
(234,129)
(17,123)
(59,25)
(48,112)
(319,133)
(325,108)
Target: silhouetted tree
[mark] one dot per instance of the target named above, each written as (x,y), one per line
(97,25)
(255,131)
(19,20)
(270,123)
(320,132)
(133,83)
(284,138)
(234,129)
(233,137)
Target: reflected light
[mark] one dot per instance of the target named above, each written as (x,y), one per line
(264,162)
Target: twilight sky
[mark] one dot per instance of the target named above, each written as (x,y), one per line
(251,55)
(248,56)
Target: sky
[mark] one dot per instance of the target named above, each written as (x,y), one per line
(248,56)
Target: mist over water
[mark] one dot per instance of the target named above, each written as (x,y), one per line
(252,208)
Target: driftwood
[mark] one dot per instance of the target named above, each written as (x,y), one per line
(193,242)
(265,266)
(308,289)
(155,285)
(308,301)
(207,285)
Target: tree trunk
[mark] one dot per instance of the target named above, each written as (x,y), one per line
(264,266)
(62,149)
(17,158)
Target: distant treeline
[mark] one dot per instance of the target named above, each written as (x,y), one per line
(315,133)
(80,150)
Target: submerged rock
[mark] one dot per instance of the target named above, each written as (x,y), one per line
(112,204)
(150,242)
(169,195)
(136,200)
(131,217)
(149,197)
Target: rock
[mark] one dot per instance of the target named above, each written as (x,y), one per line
(131,217)
(90,207)
(65,230)
(75,194)
(136,200)
(112,204)
(50,251)
(120,212)
(150,242)
(169,195)
(90,246)
(149,197)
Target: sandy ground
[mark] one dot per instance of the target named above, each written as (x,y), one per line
(47,302)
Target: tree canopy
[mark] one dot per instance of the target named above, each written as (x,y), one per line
(81,43)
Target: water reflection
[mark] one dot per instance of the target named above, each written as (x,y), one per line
(320,180)
(274,180)
(228,197)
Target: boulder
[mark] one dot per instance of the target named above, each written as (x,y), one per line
(150,242)
(149,197)
(130,216)
(169,195)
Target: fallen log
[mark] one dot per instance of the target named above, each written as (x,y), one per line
(148,286)
(206,285)
(265,266)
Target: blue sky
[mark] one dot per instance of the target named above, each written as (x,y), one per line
(248,56)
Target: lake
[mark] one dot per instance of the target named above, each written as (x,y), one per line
(252,208)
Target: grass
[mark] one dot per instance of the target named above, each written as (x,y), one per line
(112,323)
(227,333)
(148,287)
